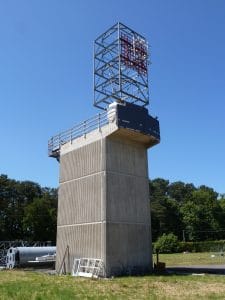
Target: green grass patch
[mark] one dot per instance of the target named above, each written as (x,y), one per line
(21,285)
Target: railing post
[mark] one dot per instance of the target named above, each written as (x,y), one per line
(116,116)
(99,122)
(59,141)
(84,129)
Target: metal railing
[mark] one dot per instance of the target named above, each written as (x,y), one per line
(78,130)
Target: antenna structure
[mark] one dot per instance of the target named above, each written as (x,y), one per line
(120,67)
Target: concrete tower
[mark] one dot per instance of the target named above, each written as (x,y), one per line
(103,208)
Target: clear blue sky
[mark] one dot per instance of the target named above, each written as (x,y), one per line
(46,81)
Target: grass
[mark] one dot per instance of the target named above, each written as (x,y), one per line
(188,259)
(24,285)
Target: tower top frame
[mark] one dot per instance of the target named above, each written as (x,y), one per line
(121,60)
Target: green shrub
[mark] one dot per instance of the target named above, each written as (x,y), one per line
(167,243)
(207,246)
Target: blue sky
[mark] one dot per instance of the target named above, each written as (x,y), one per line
(46,81)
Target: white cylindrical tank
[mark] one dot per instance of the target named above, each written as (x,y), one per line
(21,256)
(111,112)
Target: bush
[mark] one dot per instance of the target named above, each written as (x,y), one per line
(167,243)
(207,246)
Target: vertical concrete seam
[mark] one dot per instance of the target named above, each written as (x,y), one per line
(104,202)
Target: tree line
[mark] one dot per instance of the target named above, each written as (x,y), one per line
(191,213)
(29,211)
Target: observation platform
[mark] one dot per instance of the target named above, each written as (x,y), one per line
(126,119)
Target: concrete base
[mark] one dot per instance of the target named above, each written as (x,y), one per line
(104,209)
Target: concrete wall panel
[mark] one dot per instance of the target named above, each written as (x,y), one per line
(127,199)
(128,248)
(80,200)
(83,241)
(83,161)
(126,157)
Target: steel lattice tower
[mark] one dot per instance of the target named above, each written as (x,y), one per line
(120,67)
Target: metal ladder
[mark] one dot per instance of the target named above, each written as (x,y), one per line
(88,267)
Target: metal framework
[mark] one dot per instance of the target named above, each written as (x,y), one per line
(88,267)
(120,67)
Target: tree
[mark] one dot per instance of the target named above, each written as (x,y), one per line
(165,211)
(158,190)
(180,191)
(202,215)
(167,243)
(15,196)
(39,221)
(178,207)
